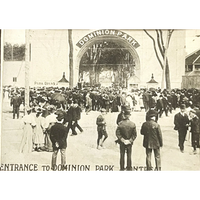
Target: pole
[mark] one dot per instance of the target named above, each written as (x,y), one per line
(71,81)
(27,70)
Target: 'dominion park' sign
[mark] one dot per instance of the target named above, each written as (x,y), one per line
(107,32)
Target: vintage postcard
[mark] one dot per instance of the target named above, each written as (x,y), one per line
(100,100)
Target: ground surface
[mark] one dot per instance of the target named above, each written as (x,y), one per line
(82,150)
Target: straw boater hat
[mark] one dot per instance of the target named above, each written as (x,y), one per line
(193,111)
(103,110)
(28,108)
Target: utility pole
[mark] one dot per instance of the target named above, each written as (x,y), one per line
(70,58)
(27,66)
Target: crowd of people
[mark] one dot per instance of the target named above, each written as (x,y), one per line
(49,106)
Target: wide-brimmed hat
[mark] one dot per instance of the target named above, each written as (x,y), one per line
(193,111)
(103,110)
(28,108)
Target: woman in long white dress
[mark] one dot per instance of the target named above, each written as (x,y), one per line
(137,102)
(129,99)
(38,138)
(26,145)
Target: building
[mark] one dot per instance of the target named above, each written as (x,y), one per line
(192,71)
(105,57)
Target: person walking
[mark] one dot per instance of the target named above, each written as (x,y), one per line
(152,141)
(88,103)
(101,129)
(195,130)
(126,134)
(181,122)
(77,116)
(16,102)
(58,136)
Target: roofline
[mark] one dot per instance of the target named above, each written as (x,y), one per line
(192,53)
(196,59)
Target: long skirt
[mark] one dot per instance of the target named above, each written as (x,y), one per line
(27,139)
(48,143)
(38,137)
(195,140)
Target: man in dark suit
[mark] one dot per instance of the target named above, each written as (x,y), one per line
(16,102)
(160,106)
(76,115)
(58,136)
(126,134)
(152,141)
(181,122)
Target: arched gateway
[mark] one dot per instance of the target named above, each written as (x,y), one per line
(108,57)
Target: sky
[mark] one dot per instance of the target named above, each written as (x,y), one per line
(14,36)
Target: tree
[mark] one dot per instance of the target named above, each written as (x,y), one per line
(7,51)
(158,44)
(14,52)
(70,58)
(19,52)
(103,56)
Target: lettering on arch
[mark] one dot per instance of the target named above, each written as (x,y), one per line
(104,32)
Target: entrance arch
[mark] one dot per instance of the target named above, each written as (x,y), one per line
(114,39)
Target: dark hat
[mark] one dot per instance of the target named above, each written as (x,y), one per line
(75,101)
(182,106)
(152,113)
(126,107)
(127,112)
(60,116)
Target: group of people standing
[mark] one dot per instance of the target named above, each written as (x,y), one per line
(37,125)
(43,116)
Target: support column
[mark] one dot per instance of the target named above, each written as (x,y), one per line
(27,67)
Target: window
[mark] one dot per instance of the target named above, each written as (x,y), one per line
(197,67)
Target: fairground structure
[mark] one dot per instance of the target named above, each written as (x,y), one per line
(107,57)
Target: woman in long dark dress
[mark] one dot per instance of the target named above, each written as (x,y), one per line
(115,104)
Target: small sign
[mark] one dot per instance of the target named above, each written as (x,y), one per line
(45,83)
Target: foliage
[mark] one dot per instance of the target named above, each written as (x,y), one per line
(106,56)
(14,52)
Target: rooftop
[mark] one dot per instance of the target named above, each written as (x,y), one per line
(193,58)
(152,80)
(63,79)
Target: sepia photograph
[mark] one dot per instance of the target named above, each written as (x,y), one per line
(100,100)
